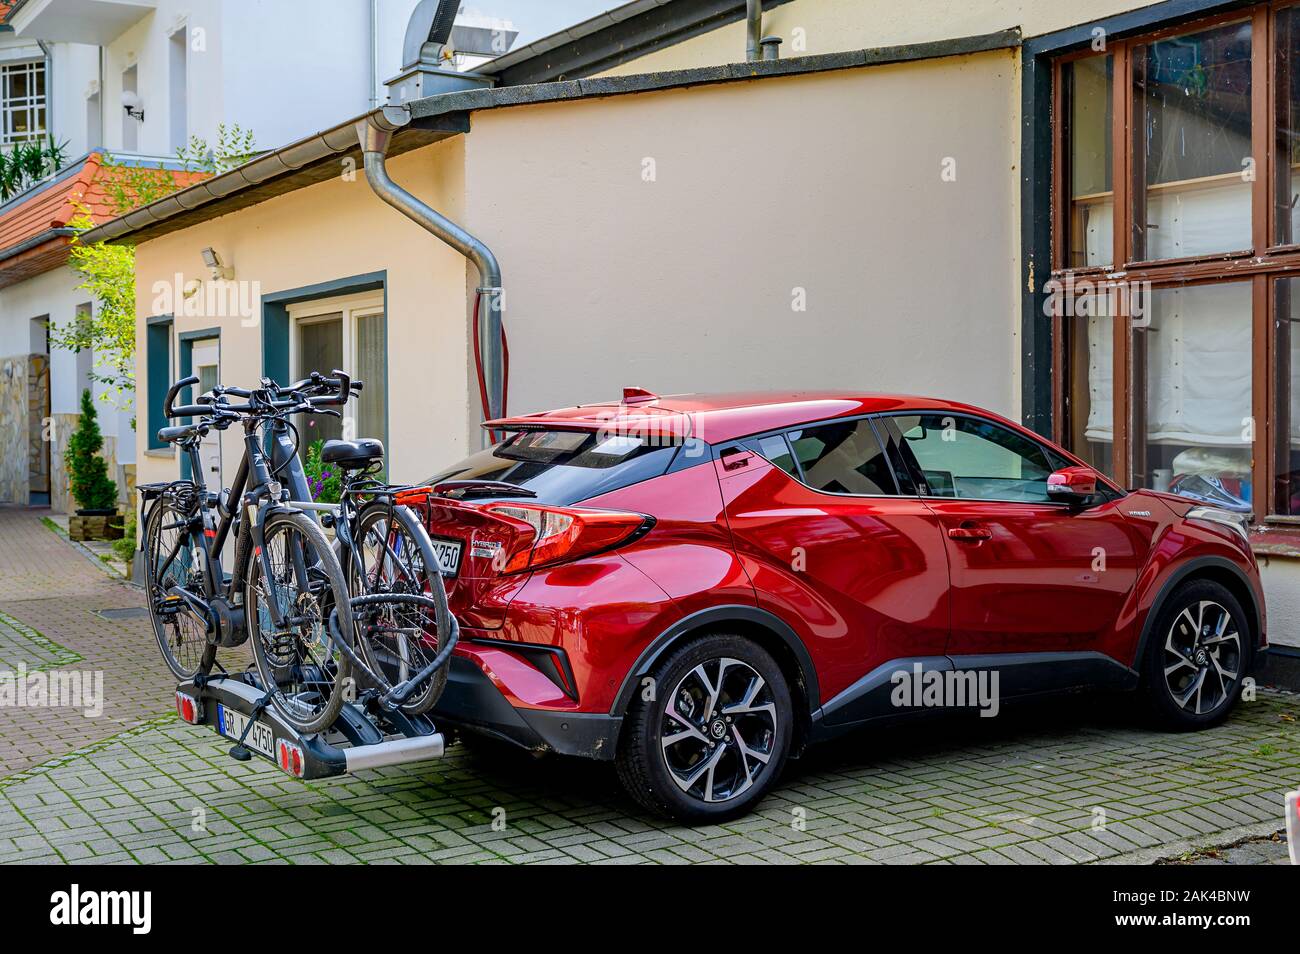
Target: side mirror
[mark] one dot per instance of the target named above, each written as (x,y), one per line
(1072,485)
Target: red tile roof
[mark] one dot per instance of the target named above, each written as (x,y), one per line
(54,207)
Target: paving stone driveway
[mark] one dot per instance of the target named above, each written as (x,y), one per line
(1066,783)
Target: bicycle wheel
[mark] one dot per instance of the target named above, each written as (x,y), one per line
(306,673)
(398,640)
(169,561)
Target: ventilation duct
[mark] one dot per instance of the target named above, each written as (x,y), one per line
(425,56)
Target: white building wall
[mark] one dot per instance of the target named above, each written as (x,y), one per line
(55,293)
(145,45)
(75,75)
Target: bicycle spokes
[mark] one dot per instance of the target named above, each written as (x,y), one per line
(298,647)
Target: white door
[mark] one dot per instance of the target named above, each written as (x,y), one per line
(206,362)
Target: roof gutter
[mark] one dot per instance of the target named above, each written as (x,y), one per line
(36,241)
(375,132)
(302,153)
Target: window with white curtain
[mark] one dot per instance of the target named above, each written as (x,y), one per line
(348,334)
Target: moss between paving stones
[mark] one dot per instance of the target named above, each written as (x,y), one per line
(64,655)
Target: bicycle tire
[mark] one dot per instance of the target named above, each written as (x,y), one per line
(271,669)
(201,652)
(413,528)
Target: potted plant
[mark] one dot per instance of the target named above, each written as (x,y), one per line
(92,488)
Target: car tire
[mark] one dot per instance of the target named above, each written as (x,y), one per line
(746,735)
(1201,637)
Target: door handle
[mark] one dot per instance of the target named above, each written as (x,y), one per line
(970,534)
(734,458)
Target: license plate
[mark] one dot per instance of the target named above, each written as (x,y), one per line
(448,554)
(260,738)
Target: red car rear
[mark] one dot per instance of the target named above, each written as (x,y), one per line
(698,587)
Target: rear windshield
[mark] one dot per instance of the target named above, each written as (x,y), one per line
(564,467)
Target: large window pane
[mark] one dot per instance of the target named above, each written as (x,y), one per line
(1192,140)
(372,404)
(973,459)
(1287,495)
(320,348)
(843,458)
(1287,140)
(1088,106)
(1192,428)
(1090,388)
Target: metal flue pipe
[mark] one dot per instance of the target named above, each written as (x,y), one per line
(374,133)
(753,29)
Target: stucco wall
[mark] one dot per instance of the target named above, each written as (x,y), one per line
(831,183)
(827,26)
(335,230)
(1281,580)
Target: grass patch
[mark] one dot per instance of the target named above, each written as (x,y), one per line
(66,656)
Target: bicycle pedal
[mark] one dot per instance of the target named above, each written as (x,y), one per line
(170,605)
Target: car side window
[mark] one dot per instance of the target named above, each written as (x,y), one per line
(775,450)
(970,458)
(843,457)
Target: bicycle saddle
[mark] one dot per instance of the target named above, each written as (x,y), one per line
(352,455)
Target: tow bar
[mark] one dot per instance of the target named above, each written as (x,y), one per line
(362,737)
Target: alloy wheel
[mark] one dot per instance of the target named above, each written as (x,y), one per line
(719,730)
(1202,657)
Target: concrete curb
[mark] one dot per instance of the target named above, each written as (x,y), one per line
(1220,839)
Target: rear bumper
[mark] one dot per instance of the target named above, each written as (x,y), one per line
(471,701)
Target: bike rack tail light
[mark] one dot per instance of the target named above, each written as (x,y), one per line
(290,758)
(189,709)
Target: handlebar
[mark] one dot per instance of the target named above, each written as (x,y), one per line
(174,390)
(191,410)
(315,393)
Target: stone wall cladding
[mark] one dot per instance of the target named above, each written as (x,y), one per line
(60,495)
(13,430)
(38,409)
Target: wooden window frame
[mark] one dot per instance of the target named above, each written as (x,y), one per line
(1262,264)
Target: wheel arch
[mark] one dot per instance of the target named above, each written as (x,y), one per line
(1218,570)
(766,629)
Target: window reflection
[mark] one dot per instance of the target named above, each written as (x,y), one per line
(1193,143)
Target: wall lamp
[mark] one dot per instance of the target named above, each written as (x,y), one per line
(133,105)
(220,271)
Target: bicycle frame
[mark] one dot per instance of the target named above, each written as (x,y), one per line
(264,492)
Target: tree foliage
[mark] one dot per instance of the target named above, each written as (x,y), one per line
(24,164)
(108,271)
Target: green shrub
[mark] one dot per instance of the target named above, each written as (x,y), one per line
(125,548)
(323,480)
(92,488)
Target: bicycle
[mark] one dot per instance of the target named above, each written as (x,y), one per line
(395,610)
(404,626)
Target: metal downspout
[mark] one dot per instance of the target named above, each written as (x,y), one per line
(374,133)
(753,29)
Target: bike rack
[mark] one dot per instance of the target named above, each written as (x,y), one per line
(236,707)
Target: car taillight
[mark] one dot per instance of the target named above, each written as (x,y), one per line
(561,534)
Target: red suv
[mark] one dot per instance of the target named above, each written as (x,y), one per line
(698,587)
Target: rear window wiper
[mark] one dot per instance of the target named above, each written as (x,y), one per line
(487,488)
